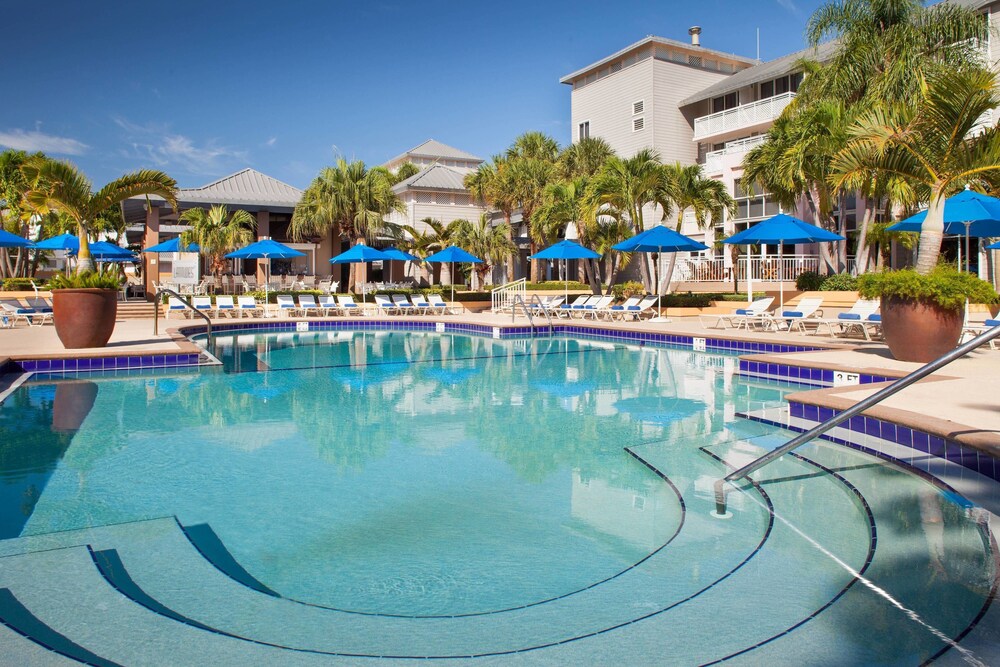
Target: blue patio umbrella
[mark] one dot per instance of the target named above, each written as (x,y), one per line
(173,245)
(780,229)
(266,249)
(8,240)
(566,250)
(396,255)
(61,242)
(451,255)
(102,251)
(966,214)
(360,254)
(993,246)
(659,239)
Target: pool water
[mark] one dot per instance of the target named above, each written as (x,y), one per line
(533,492)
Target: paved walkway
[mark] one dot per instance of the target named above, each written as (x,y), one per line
(963,398)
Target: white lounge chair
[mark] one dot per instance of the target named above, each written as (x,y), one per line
(384,305)
(348,306)
(286,304)
(403,305)
(30,316)
(854,320)
(307,304)
(248,306)
(597,308)
(796,318)
(742,317)
(224,306)
(204,304)
(578,301)
(646,309)
(630,304)
(175,305)
(579,307)
(438,302)
(421,303)
(973,329)
(327,305)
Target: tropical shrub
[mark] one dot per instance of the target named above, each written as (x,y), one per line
(627,289)
(808,281)
(16,284)
(839,282)
(109,279)
(557,285)
(943,286)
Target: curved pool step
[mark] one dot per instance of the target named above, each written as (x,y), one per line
(25,640)
(261,617)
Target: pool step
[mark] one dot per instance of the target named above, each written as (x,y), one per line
(180,588)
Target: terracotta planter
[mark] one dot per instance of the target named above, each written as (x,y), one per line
(84,317)
(919,331)
(72,404)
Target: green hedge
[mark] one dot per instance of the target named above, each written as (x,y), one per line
(558,284)
(18,284)
(840,282)
(808,281)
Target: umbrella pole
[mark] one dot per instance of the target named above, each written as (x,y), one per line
(451,274)
(566,278)
(966,246)
(781,275)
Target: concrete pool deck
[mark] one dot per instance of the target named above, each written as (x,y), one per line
(958,402)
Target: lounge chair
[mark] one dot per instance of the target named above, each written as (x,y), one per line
(30,316)
(854,320)
(175,305)
(578,301)
(579,307)
(402,304)
(796,318)
(597,308)
(347,305)
(384,305)
(327,305)
(248,306)
(973,329)
(421,303)
(630,304)
(224,306)
(286,304)
(307,303)
(204,304)
(647,308)
(437,302)
(742,317)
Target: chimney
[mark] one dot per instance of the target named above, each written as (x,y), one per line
(694,31)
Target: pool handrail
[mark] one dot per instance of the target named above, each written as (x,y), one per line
(840,417)
(527,311)
(156,311)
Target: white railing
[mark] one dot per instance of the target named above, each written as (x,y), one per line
(743,116)
(766,269)
(713,159)
(503,297)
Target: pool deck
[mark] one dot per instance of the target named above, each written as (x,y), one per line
(958,402)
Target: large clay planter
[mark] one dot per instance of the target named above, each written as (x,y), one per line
(920,331)
(72,404)
(84,317)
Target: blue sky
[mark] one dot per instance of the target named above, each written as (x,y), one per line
(203,89)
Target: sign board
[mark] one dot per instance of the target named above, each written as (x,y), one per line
(439,327)
(496,332)
(185,269)
(302,326)
(699,344)
(845,379)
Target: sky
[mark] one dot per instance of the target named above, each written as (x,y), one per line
(202,89)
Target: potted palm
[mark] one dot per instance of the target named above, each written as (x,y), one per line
(926,151)
(85,305)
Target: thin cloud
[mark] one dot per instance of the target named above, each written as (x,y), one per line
(156,143)
(789,5)
(35,140)
(270,142)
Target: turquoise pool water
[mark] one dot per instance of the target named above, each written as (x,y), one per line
(496,496)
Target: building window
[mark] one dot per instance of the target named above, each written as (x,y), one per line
(781,85)
(638,123)
(584,131)
(753,205)
(725,102)
(637,107)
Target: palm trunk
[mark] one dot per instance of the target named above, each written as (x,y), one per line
(84,262)
(644,274)
(864,251)
(931,233)
(512,259)
(536,265)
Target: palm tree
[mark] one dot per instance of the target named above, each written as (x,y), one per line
(350,200)
(688,188)
(929,148)
(58,185)
(434,237)
(13,217)
(217,232)
(490,243)
(493,184)
(567,202)
(534,145)
(584,157)
(886,47)
(530,176)
(628,185)
(405,170)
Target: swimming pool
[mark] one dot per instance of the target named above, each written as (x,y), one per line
(384,493)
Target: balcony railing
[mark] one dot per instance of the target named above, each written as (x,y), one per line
(742,117)
(713,159)
(766,269)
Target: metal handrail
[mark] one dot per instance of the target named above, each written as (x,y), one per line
(861,406)
(156,311)
(527,311)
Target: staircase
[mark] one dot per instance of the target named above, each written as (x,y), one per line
(135,310)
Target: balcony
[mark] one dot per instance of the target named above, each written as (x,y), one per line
(745,117)
(714,159)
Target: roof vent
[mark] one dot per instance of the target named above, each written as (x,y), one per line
(694,31)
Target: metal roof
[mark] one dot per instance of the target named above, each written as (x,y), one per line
(434,177)
(763,72)
(653,39)
(244,187)
(435,149)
